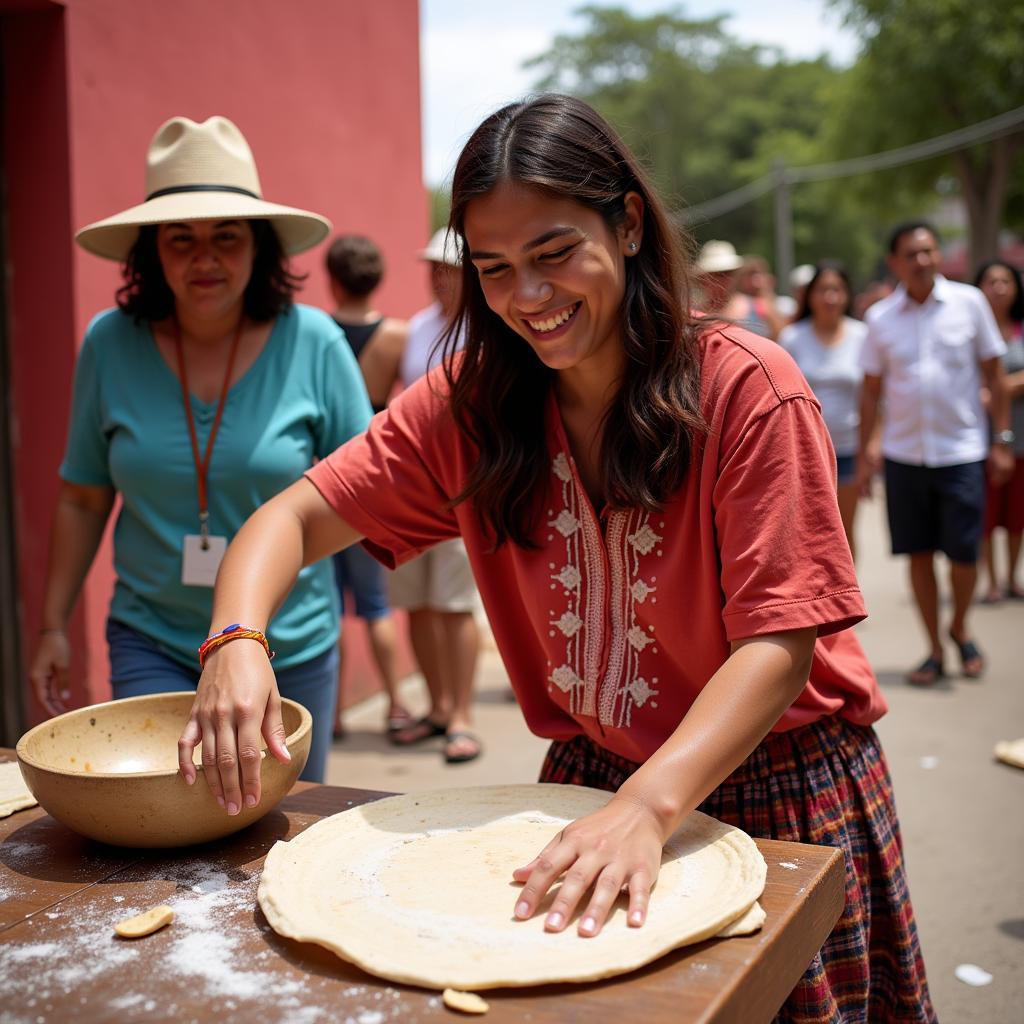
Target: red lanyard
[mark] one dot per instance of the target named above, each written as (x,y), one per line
(203,465)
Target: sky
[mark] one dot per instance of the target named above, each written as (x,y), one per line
(472,52)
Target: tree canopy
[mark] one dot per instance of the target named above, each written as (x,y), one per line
(708,113)
(926,68)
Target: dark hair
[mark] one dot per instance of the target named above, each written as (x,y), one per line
(355,262)
(561,146)
(1017,306)
(908,227)
(145,294)
(821,267)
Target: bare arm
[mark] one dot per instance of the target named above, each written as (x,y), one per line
(621,844)
(1015,385)
(237,697)
(381,360)
(78,523)
(1000,457)
(868,457)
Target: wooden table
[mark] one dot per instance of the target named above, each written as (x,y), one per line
(60,895)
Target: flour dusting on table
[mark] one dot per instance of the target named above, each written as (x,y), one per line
(203,952)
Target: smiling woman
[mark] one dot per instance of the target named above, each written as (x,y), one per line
(552,236)
(202,395)
(648,503)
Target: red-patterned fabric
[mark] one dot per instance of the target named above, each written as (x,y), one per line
(826,783)
(1004,505)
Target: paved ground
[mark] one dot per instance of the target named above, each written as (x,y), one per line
(962,813)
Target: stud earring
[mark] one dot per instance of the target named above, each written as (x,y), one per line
(632,247)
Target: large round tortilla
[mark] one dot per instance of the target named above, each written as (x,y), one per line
(418,889)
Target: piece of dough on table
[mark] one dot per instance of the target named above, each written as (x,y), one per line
(14,793)
(1011,752)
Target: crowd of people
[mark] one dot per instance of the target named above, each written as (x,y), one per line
(920,380)
(650,472)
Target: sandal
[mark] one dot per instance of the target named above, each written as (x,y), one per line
(400,720)
(424,728)
(930,671)
(993,596)
(972,661)
(461,736)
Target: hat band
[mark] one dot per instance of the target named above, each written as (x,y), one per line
(174,189)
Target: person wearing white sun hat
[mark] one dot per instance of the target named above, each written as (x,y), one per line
(718,266)
(204,393)
(436,588)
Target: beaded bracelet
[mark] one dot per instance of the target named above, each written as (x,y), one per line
(236,631)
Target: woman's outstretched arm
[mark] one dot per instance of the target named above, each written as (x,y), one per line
(237,698)
(78,524)
(619,847)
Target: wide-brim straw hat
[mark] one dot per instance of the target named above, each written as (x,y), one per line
(717,257)
(201,172)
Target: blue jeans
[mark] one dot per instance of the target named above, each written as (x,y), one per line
(140,665)
(356,570)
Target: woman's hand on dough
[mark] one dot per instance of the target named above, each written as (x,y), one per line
(236,701)
(614,849)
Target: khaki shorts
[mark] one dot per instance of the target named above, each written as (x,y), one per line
(439,579)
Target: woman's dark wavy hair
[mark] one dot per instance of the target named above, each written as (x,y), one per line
(145,294)
(561,146)
(1017,306)
(834,267)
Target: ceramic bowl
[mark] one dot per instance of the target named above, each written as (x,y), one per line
(110,772)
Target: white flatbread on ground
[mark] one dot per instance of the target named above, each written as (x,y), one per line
(418,889)
(14,794)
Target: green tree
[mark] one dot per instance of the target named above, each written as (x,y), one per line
(928,67)
(708,114)
(440,207)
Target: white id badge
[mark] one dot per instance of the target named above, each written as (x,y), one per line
(198,565)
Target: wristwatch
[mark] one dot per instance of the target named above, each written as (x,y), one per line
(1004,437)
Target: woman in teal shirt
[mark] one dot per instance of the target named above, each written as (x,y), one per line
(206,314)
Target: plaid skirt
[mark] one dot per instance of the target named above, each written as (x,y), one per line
(828,784)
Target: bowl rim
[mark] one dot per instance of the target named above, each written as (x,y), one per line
(21,749)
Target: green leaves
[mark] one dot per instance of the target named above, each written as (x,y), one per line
(709,114)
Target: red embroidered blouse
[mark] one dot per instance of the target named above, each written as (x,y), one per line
(617,621)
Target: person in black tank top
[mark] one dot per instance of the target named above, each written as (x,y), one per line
(358,335)
(355,269)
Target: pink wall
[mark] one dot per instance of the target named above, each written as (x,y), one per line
(327,93)
(40,302)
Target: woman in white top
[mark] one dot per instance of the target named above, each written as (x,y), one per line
(826,341)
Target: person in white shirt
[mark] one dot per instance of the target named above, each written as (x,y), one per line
(930,346)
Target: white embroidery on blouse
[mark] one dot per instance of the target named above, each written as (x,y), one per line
(560,467)
(645,540)
(638,639)
(565,523)
(566,679)
(603,584)
(569,623)
(640,690)
(571,676)
(569,577)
